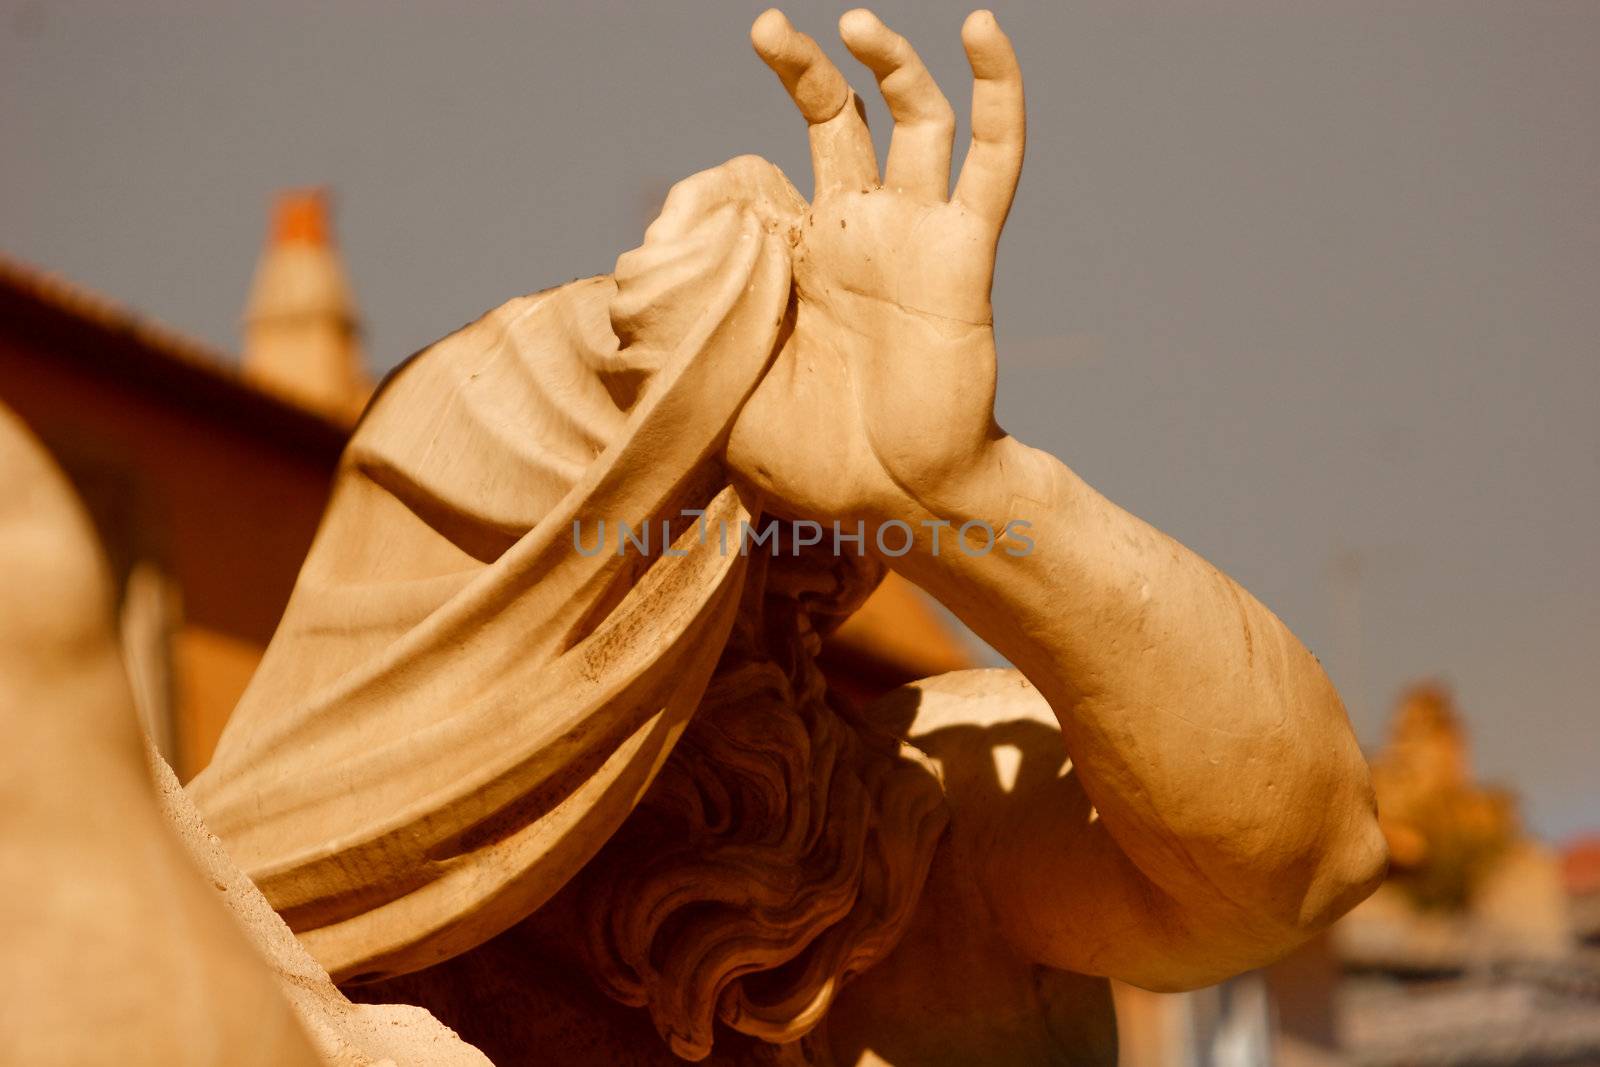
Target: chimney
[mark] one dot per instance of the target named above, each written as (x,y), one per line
(301,332)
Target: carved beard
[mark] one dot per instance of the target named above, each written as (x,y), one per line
(781,849)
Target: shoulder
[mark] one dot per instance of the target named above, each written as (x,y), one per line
(981,697)
(955,990)
(989,732)
(963,716)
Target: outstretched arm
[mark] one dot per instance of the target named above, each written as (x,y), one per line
(1232,814)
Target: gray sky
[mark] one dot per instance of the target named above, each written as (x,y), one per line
(1312,288)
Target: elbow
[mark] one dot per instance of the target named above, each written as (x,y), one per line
(1290,894)
(1310,877)
(1314,890)
(1337,855)
(1351,866)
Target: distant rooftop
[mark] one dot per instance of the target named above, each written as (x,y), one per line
(112,341)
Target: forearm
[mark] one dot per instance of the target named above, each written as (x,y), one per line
(1208,738)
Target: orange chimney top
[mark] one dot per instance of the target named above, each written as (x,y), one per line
(301,215)
(301,330)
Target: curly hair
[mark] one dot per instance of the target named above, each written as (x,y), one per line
(782,847)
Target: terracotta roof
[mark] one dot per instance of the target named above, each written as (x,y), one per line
(1580,866)
(54,290)
(41,309)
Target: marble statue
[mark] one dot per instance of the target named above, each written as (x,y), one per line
(540,744)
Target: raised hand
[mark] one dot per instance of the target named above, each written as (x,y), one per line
(882,396)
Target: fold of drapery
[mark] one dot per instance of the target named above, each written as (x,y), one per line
(459,706)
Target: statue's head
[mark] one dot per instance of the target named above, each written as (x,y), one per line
(784,843)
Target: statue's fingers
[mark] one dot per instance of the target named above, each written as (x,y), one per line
(999,124)
(841,148)
(924,123)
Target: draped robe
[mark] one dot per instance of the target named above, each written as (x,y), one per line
(459,707)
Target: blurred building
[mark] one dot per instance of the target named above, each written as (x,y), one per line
(206,475)
(1469,954)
